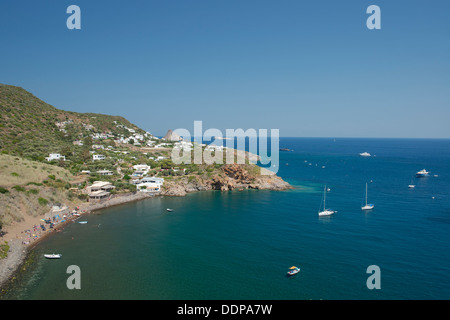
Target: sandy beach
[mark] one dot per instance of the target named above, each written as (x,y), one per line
(23,236)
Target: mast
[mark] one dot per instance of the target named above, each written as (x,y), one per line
(366,193)
(324,196)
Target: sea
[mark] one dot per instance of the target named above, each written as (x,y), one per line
(240,244)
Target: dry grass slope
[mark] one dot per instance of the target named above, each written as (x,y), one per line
(17,171)
(26,189)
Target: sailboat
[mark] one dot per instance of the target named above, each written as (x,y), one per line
(411,185)
(368,206)
(325,212)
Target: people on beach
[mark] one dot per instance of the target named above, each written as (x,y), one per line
(37,231)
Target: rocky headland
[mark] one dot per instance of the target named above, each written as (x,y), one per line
(227,178)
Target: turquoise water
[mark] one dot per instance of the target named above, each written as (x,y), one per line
(240,244)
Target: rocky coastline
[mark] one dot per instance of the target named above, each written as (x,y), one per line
(230,177)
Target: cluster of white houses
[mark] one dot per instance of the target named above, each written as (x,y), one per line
(144,183)
(101,190)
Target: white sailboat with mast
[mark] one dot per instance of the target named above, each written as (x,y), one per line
(368,206)
(325,212)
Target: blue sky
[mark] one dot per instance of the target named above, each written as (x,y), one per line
(308,68)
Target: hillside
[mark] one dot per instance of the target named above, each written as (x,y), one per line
(28,187)
(16,171)
(31,128)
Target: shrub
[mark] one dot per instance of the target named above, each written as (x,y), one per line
(14,174)
(19,188)
(3,190)
(51,176)
(4,248)
(34,183)
(82,196)
(42,201)
(33,191)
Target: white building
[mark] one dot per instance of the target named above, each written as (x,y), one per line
(105,173)
(141,170)
(214,147)
(150,184)
(155,180)
(148,187)
(55,156)
(162,145)
(100,186)
(183,145)
(98,157)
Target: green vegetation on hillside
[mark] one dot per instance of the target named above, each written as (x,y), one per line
(29,126)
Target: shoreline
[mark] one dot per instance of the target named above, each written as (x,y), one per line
(18,251)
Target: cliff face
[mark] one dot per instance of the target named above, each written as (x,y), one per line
(229,177)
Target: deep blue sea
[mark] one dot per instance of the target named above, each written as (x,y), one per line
(240,244)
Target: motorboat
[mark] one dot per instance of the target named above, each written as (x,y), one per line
(53,256)
(82,222)
(365,154)
(293,271)
(170,210)
(422,173)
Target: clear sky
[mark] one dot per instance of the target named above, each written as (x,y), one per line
(308,68)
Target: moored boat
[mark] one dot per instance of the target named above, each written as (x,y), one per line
(325,212)
(53,256)
(422,173)
(365,154)
(367,206)
(293,271)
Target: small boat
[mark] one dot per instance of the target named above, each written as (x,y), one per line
(411,186)
(422,173)
(53,256)
(170,210)
(365,154)
(82,222)
(325,212)
(293,271)
(368,206)
(284,149)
